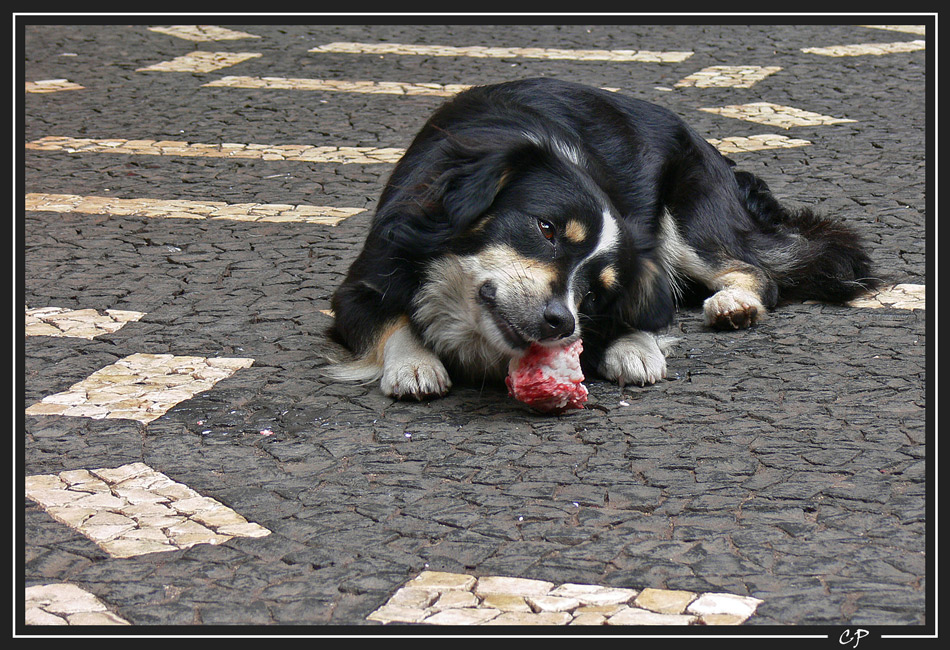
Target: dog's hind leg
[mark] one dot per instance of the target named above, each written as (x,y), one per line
(743,294)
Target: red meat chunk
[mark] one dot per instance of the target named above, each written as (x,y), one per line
(548,379)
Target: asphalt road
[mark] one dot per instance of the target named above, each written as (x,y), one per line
(788,462)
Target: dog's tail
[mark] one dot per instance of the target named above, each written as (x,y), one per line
(808,256)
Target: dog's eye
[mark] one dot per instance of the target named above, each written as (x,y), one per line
(546,228)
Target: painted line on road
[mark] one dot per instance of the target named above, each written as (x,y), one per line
(66,604)
(332,155)
(775,115)
(133,510)
(909,29)
(439,598)
(866,49)
(333,85)
(200,62)
(479,51)
(727,76)
(139,387)
(743,144)
(735,76)
(183,209)
(51,86)
(336,85)
(202,33)
(898,296)
(76,323)
(289,152)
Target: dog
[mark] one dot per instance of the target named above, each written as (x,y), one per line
(541,211)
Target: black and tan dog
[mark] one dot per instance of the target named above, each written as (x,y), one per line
(543,211)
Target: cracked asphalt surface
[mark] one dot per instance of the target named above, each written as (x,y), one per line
(787,462)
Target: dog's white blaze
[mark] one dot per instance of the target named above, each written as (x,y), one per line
(609,235)
(608,239)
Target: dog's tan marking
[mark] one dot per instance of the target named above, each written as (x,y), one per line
(646,281)
(503,179)
(370,364)
(650,270)
(375,355)
(736,278)
(737,302)
(575,231)
(505,262)
(480,223)
(608,276)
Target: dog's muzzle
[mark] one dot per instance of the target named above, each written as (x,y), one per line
(554,320)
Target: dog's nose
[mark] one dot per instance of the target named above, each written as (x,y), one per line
(558,321)
(487,292)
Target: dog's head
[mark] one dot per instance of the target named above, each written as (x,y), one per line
(539,251)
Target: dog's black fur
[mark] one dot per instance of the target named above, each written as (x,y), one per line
(540,211)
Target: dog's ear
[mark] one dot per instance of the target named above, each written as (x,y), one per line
(477,174)
(471,188)
(444,183)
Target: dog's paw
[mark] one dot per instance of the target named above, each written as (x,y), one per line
(636,358)
(415,379)
(412,371)
(733,308)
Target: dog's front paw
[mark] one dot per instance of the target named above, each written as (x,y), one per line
(634,359)
(415,378)
(410,370)
(733,308)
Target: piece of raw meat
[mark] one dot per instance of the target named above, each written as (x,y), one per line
(548,379)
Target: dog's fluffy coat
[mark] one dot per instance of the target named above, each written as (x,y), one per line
(543,211)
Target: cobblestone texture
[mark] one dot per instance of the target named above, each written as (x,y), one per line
(302,153)
(133,510)
(786,464)
(82,323)
(481,52)
(139,387)
(727,76)
(332,85)
(200,62)
(438,598)
(203,33)
(179,209)
(775,115)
